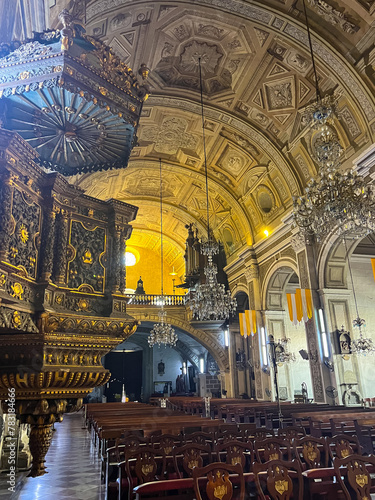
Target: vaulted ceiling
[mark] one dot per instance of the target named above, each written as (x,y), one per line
(258,80)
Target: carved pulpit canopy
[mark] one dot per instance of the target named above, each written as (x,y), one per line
(72,99)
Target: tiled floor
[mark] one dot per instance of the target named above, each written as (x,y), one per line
(73,468)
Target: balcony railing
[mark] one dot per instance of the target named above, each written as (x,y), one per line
(155,300)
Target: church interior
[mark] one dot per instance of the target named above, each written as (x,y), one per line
(187,249)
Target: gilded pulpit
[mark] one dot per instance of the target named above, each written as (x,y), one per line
(68,105)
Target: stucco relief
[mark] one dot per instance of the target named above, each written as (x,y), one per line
(233,161)
(211,31)
(210,56)
(334,16)
(280,94)
(169,137)
(349,122)
(120,21)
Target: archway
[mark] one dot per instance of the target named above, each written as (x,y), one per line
(281,280)
(346,277)
(199,358)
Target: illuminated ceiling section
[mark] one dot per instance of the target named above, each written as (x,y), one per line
(258,80)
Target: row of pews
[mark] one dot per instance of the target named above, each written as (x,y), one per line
(317,419)
(150,452)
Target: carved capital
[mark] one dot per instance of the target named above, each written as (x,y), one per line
(251,272)
(298,241)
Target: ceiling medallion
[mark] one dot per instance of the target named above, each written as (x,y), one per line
(162,333)
(210,300)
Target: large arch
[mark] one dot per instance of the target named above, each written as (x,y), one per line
(208,340)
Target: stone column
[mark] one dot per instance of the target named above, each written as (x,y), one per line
(320,376)
(261,379)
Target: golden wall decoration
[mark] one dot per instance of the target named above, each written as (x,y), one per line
(59,252)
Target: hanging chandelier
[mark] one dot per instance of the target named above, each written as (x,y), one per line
(282,353)
(361,345)
(162,333)
(210,300)
(334,202)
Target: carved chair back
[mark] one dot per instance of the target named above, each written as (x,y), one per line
(220,479)
(234,452)
(311,451)
(291,432)
(206,438)
(342,445)
(167,442)
(190,455)
(272,448)
(354,475)
(262,433)
(142,465)
(273,480)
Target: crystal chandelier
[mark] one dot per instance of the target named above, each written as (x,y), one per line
(361,345)
(162,333)
(210,301)
(282,354)
(334,202)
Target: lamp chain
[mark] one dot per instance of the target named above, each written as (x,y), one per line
(351,277)
(161,235)
(318,96)
(204,147)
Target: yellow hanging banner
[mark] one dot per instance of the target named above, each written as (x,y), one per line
(373,267)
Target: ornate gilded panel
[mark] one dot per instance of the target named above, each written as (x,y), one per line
(25,229)
(87,247)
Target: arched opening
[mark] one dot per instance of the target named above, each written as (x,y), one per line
(293,376)
(349,292)
(189,368)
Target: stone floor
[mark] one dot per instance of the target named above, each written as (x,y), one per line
(73,468)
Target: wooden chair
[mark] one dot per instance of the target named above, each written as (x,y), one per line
(353,474)
(274,480)
(229,435)
(312,452)
(140,466)
(291,432)
(342,445)
(247,429)
(188,456)
(262,433)
(234,452)
(116,454)
(206,438)
(167,442)
(272,449)
(219,482)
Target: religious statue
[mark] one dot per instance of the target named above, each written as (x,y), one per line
(140,290)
